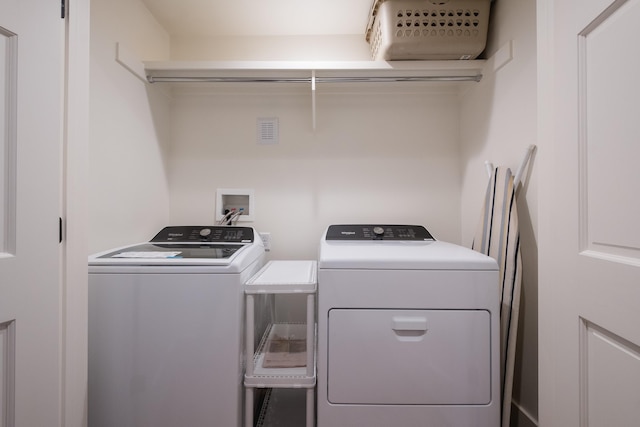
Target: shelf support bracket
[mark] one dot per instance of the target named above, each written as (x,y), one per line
(313,99)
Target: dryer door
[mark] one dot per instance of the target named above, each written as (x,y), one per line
(409,357)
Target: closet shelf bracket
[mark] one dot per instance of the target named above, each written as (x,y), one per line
(313,100)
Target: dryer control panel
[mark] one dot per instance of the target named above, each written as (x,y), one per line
(211,233)
(355,232)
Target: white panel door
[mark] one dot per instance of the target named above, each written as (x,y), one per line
(31,72)
(589,53)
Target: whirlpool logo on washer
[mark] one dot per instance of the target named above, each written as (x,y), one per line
(348,233)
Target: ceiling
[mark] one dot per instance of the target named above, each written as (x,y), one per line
(260,17)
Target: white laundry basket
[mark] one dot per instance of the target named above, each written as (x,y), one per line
(427,29)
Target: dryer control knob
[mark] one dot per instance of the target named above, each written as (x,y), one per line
(205,232)
(378,231)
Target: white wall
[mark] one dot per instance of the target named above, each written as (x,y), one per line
(271,48)
(499,122)
(379,154)
(129,196)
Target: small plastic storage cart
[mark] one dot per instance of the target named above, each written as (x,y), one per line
(285,358)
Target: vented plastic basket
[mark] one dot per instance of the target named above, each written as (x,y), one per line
(428,29)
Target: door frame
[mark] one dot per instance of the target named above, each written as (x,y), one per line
(545,159)
(74,225)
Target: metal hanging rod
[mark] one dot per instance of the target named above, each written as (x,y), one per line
(380,79)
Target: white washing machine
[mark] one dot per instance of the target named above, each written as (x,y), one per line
(408,330)
(166,328)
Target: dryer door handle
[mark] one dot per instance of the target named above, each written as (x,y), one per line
(409,328)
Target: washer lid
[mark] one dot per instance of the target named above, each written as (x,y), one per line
(233,248)
(396,254)
(175,251)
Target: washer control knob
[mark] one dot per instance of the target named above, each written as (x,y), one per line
(205,232)
(378,231)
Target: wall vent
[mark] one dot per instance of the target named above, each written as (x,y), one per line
(267,130)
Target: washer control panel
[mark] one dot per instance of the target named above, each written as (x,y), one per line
(355,232)
(211,233)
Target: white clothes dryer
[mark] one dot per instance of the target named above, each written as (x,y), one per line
(166,328)
(408,330)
